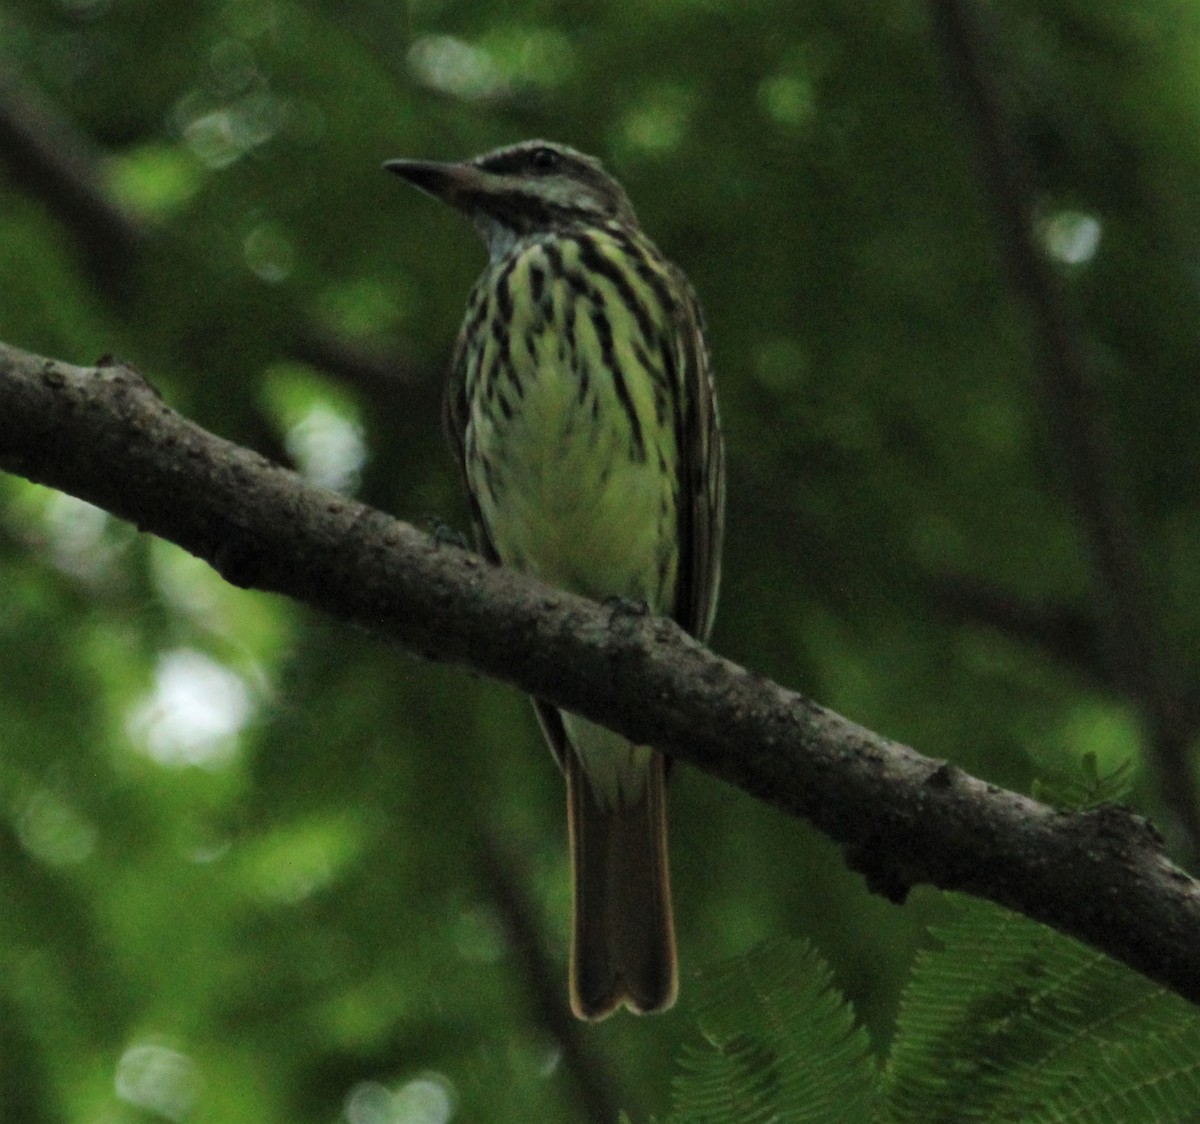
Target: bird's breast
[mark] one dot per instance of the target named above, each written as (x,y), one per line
(571,450)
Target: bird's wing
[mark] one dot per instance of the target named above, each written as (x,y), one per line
(701,470)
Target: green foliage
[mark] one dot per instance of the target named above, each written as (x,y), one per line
(243,873)
(1009,1020)
(1004,1020)
(1088,787)
(781,1044)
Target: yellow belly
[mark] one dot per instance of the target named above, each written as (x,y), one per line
(570,454)
(567,503)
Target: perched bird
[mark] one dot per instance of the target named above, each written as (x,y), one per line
(581,408)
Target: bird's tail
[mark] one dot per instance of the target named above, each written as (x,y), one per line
(623,935)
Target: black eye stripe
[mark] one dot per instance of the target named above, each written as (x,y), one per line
(540,159)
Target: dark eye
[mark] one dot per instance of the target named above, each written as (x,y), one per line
(543,159)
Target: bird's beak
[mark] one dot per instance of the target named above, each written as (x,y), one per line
(456,184)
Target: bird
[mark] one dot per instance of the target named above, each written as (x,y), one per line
(580,407)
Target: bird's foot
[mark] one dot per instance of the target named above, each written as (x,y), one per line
(626,607)
(445,535)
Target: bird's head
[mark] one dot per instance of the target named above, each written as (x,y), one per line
(523,189)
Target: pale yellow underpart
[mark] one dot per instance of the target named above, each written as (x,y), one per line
(569,502)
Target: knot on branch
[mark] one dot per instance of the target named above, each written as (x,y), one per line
(238,559)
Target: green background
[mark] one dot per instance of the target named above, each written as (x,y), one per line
(256,866)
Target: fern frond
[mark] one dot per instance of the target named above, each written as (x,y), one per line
(1087,786)
(782,1045)
(1011,1021)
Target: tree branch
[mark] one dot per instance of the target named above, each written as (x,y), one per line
(1133,637)
(57,164)
(49,157)
(105,436)
(1063,632)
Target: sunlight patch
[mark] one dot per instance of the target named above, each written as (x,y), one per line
(428,1099)
(51,830)
(454,66)
(329,448)
(158,1079)
(194,712)
(1071,237)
